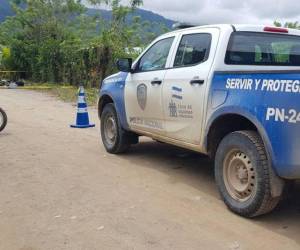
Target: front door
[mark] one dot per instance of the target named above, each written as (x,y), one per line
(184,90)
(143,91)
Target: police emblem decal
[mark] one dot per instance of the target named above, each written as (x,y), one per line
(142,96)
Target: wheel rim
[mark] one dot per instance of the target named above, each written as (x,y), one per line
(239,175)
(110,130)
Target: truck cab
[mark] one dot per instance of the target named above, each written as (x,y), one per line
(228,91)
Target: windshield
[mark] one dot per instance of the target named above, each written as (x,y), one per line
(251,48)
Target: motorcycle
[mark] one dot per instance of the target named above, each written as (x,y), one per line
(3,119)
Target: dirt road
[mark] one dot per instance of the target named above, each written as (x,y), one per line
(59,189)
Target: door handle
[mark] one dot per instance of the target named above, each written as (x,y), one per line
(156,82)
(197,82)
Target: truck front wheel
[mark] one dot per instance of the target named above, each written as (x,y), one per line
(115,139)
(243,174)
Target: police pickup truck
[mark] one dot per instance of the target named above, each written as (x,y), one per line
(229,91)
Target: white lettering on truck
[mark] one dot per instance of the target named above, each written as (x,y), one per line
(283,115)
(237,83)
(267,85)
(288,86)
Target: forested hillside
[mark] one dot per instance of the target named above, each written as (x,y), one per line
(5,11)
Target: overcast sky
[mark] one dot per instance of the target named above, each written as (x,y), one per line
(226,11)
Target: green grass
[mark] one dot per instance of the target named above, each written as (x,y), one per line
(65,93)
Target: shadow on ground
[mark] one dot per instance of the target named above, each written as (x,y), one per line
(197,170)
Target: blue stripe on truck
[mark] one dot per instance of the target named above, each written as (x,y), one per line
(114,87)
(272,102)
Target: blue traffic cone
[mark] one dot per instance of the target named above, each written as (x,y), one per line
(82,120)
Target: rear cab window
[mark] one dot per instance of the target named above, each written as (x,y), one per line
(265,49)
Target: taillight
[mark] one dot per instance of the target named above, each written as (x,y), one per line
(276,29)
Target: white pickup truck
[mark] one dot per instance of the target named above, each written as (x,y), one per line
(228,91)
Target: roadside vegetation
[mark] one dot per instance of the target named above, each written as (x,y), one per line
(65,92)
(56,41)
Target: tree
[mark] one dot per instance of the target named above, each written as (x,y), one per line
(55,41)
(291,25)
(35,33)
(114,39)
(5,57)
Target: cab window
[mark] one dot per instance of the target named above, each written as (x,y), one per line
(193,49)
(156,57)
(266,49)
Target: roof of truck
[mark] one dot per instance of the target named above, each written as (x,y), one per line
(244,27)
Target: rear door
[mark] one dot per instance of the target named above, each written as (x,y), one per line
(143,91)
(185,85)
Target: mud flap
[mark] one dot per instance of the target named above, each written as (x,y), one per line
(276,184)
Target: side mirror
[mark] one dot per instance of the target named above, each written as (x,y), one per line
(124,64)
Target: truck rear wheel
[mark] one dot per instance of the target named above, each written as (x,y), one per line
(115,139)
(244,175)
(3,119)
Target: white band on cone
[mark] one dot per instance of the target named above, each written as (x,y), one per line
(81,99)
(82,110)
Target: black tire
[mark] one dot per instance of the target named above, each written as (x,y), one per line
(3,119)
(122,140)
(252,196)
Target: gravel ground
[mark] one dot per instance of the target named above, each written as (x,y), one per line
(61,190)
